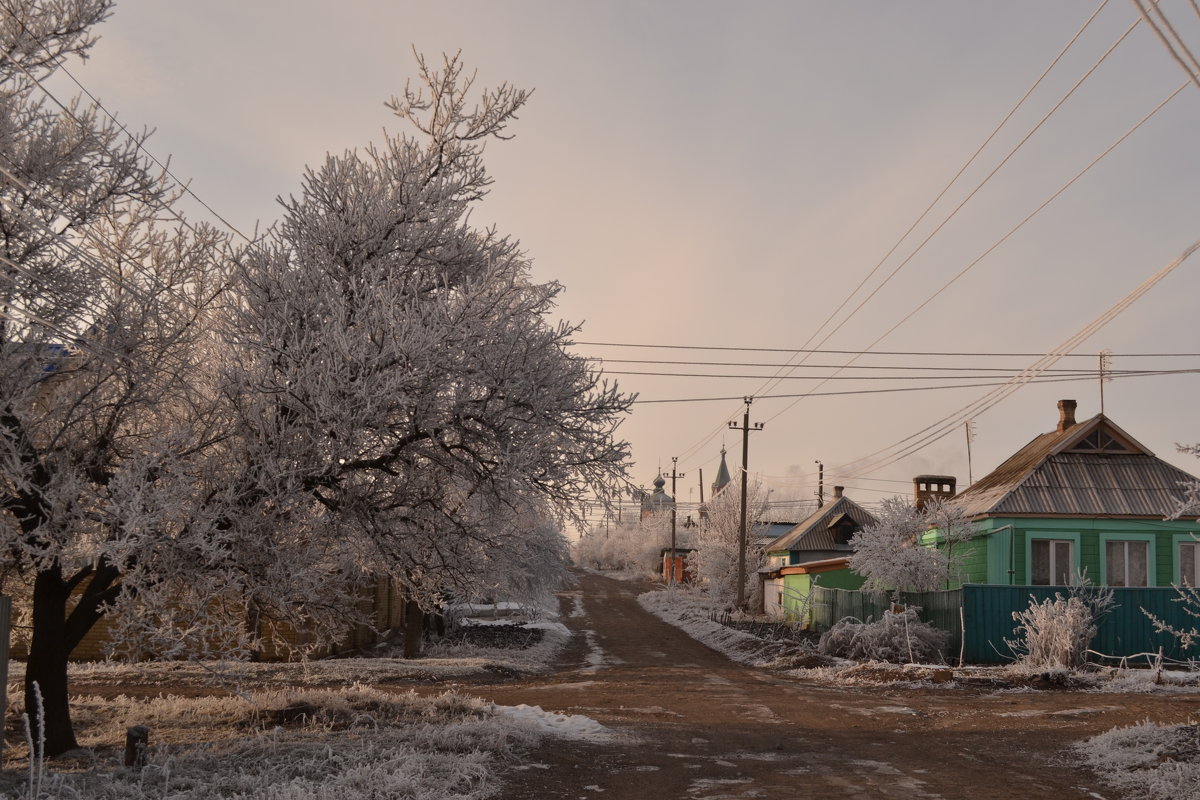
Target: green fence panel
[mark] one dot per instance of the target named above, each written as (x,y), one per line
(940,609)
(1125,631)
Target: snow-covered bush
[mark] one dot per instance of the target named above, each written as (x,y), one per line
(1056,632)
(898,637)
(715,561)
(1189,598)
(1158,762)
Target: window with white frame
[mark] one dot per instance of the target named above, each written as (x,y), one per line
(1189,562)
(1053,562)
(1127,563)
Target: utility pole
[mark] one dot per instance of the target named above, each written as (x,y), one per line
(675,473)
(820,484)
(969,428)
(1105,364)
(742,534)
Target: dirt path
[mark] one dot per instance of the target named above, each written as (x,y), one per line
(695,725)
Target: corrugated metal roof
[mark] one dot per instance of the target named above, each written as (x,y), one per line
(815,533)
(1055,475)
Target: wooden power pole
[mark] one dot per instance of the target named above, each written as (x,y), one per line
(742,533)
(675,473)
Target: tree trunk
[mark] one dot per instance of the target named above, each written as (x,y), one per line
(47,667)
(414,628)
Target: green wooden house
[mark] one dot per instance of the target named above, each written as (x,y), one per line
(816,548)
(1086,496)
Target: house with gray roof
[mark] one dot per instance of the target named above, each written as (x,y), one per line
(820,545)
(1084,496)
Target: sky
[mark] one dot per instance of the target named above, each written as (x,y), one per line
(725,175)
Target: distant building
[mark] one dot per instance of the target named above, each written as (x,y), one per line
(658,500)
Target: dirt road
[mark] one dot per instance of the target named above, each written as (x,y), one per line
(695,725)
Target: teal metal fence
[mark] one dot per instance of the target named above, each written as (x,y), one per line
(1124,631)
(980,620)
(940,609)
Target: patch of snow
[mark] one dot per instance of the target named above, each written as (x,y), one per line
(596,658)
(574,727)
(676,609)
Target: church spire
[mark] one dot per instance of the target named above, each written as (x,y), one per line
(722,475)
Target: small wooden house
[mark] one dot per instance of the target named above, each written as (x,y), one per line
(820,545)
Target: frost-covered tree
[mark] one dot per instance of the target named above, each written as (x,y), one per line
(950,528)
(107,411)
(715,562)
(192,443)
(890,553)
(1188,589)
(397,368)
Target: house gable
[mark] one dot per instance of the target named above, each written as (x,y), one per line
(1091,469)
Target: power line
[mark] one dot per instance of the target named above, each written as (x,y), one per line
(764,387)
(1016,228)
(1192,69)
(828,366)
(874,352)
(1032,379)
(767,386)
(1089,374)
(137,143)
(950,423)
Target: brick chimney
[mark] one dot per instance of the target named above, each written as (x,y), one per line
(932,487)
(837,491)
(1066,414)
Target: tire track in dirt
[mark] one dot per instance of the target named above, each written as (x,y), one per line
(695,725)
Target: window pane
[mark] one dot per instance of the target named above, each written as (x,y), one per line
(1040,555)
(1062,563)
(1137,573)
(1114,556)
(1187,562)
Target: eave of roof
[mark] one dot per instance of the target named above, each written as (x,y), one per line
(816,527)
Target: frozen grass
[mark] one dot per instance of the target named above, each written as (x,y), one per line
(1155,762)
(334,733)
(356,742)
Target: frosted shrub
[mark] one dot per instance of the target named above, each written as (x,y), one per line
(1151,761)
(1056,632)
(899,638)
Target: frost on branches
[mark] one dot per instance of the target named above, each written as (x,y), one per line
(890,554)
(634,548)
(193,440)
(397,382)
(1056,632)
(107,415)
(1188,592)
(715,562)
